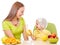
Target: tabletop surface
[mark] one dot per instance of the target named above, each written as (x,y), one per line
(34,43)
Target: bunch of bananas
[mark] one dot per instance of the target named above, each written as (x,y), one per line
(28,32)
(10,41)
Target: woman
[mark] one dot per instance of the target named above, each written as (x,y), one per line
(14,25)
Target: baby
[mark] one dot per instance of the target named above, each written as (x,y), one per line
(41,24)
(40,29)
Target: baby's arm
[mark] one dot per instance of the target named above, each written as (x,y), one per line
(33,37)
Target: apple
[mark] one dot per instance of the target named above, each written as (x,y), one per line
(49,36)
(53,35)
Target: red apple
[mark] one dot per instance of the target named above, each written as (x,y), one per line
(53,35)
(57,37)
(49,36)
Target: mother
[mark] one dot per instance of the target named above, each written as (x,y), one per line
(14,25)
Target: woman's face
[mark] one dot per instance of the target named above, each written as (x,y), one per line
(20,12)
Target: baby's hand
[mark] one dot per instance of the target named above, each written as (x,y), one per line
(29,33)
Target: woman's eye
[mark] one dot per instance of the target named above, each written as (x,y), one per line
(22,11)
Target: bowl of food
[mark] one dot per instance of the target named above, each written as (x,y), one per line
(53,38)
(11,41)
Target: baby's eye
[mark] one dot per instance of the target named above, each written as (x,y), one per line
(36,23)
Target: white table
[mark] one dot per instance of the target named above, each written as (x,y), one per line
(35,43)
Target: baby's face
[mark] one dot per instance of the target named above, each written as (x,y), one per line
(38,25)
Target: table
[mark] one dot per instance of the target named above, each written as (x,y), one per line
(35,43)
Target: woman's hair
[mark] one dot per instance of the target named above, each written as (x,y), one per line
(43,22)
(14,10)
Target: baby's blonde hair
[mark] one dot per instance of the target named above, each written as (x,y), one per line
(43,22)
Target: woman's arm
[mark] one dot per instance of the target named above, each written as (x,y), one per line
(24,34)
(8,33)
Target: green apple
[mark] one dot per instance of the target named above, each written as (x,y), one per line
(53,40)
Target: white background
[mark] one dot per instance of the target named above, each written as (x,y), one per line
(48,9)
